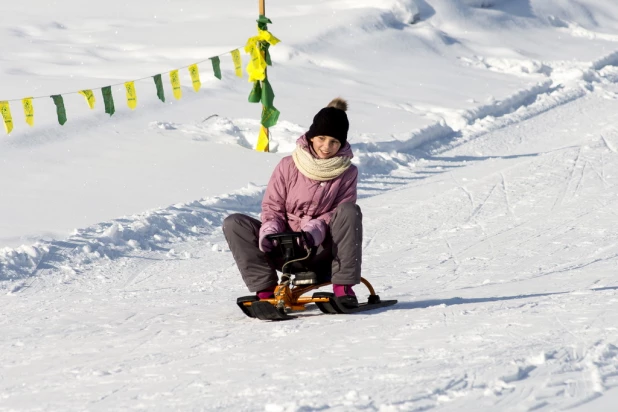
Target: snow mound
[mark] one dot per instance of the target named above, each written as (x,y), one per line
(151,230)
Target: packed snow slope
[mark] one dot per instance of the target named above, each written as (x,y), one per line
(486,136)
(461,61)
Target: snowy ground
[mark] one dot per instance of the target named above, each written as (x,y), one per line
(489,193)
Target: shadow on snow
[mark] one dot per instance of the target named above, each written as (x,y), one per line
(423,304)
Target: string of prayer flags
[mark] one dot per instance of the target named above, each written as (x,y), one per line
(131,95)
(175,80)
(216,66)
(261,92)
(60,110)
(89,97)
(108,99)
(28,110)
(237,62)
(6,116)
(195,77)
(159,84)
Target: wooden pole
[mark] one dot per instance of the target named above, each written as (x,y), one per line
(263,130)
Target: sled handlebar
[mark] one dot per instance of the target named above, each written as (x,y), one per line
(286,241)
(286,237)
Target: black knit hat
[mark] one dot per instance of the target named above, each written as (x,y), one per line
(331,121)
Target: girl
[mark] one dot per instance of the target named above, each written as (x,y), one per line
(313,190)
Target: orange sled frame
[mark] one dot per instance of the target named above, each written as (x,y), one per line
(289,293)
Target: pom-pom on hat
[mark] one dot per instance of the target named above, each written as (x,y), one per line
(331,121)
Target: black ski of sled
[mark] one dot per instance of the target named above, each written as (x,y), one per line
(247,310)
(268,311)
(335,306)
(261,310)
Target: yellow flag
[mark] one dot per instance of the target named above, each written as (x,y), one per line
(267,36)
(237,62)
(195,77)
(131,95)
(262,143)
(6,116)
(257,66)
(89,97)
(175,79)
(28,110)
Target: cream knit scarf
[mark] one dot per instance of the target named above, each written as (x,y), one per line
(319,169)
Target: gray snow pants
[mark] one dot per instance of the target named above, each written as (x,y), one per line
(339,257)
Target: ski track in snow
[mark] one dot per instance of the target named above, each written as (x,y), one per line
(161,257)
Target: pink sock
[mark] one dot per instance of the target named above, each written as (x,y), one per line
(266,293)
(342,290)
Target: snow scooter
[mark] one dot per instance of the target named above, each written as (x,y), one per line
(288,294)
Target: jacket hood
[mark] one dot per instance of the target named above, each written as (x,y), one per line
(344,151)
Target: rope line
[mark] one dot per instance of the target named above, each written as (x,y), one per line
(121,84)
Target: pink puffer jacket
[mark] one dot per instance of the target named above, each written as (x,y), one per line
(294,202)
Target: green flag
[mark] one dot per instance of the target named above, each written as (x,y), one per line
(216,67)
(60,110)
(270,115)
(256,93)
(109,100)
(263,21)
(160,91)
(268,95)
